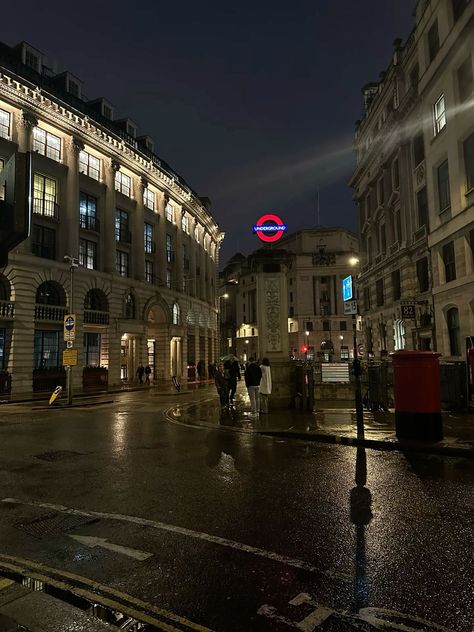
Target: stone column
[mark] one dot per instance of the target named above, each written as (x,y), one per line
(178,261)
(318,295)
(161,240)
(109,217)
(138,247)
(21,357)
(25,131)
(71,213)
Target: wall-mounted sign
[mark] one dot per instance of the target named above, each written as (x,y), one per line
(347,288)
(270,228)
(408,311)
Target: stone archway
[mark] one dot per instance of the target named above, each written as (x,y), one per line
(158,348)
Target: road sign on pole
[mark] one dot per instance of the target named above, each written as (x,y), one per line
(350,307)
(70,357)
(69,327)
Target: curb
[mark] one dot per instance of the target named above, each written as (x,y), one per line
(67,407)
(376,444)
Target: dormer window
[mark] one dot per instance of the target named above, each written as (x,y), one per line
(131,130)
(32,60)
(46,144)
(73,88)
(107,112)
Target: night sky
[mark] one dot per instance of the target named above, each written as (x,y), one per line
(253,103)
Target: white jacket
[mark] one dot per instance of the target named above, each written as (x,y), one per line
(266,381)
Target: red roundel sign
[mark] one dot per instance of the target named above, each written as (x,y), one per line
(269,227)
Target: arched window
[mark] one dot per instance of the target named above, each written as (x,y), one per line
(130,306)
(50,293)
(452,320)
(96,300)
(176,314)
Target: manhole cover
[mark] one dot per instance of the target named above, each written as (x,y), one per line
(53,524)
(57,455)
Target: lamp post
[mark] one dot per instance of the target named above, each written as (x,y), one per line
(357,369)
(73,263)
(307,343)
(224,296)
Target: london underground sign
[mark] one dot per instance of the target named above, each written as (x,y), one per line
(270,228)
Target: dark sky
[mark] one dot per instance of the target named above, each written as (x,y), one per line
(253,103)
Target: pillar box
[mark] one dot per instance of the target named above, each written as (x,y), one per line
(416,386)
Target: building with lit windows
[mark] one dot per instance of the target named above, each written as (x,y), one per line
(317,259)
(414,187)
(146,245)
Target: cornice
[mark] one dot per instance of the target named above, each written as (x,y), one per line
(40,103)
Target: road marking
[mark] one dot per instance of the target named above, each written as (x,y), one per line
(92,542)
(199,535)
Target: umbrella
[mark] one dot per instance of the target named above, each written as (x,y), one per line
(229,356)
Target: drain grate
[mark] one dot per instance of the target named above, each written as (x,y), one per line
(53,524)
(58,455)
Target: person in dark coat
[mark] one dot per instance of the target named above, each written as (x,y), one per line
(234,375)
(222,386)
(201,369)
(147,374)
(140,372)
(253,375)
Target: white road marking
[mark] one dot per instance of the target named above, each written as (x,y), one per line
(92,542)
(199,535)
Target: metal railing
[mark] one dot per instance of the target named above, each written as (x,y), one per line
(89,222)
(96,317)
(50,312)
(123,235)
(46,208)
(7,309)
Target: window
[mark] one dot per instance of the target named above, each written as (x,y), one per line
(169,212)
(50,293)
(422,274)
(458,8)
(43,243)
(465,80)
(367,298)
(121,226)
(398,223)
(422,203)
(88,212)
(383,239)
(468,146)
(3,344)
(449,261)
(168,279)
(185,224)
(46,144)
(121,263)
(379,292)
(32,60)
(169,248)
(291,297)
(87,254)
(452,320)
(46,354)
(73,88)
(308,325)
(44,196)
(443,187)
(414,76)
(176,314)
(440,114)
(380,192)
(149,244)
(149,198)
(433,40)
(326,325)
(149,273)
(89,165)
(91,349)
(342,325)
(396,174)
(205,243)
(418,148)
(196,233)
(4,124)
(123,183)
(129,306)
(396,285)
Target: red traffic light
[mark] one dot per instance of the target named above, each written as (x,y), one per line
(304,348)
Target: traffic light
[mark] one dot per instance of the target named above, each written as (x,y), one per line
(15,207)
(304,348)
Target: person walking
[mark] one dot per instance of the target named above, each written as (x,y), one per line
(147,374)
(265,385)
(234,372)
(253,375)
(221,385)
(140,372)
(201,369)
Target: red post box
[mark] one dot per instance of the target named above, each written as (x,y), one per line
(417,394)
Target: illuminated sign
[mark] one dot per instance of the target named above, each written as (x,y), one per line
(270,228)
(347,289)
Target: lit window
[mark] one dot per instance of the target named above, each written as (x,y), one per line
(169,249)
(148,238)
(149,198)
(88,212)
(168,279)
(176,314)
(196,233)
(440,114)
(122,232)
(44,196)
(4,124)
(169,211)
(123,183)
(87,254)
(121,261)
(46,144)
(92,349)
(89,165)
(185,224)
(149,276)
(205,243)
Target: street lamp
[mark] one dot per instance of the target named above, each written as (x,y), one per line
(224,296)
(307,343)
(357,369)
(73,263)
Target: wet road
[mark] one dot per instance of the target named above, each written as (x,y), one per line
(242,532)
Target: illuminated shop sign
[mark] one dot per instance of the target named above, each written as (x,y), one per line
(269,228)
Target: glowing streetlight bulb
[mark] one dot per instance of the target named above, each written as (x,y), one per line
(353,261)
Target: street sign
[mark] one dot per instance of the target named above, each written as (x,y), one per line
(69,344)
(69,326)
(347,288)
(408,311)
(350,307)
(70,357)
(360,349)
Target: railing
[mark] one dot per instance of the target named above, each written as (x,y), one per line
(46,208)
(395,247)
(89,222)
(150,247)
(419,234)
(124,236)
(379,257)
(50,312)
(7,309)
(96,317)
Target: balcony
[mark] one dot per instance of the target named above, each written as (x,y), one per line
(379,257)
(46,208)
(419,234)
(123,235)
(96,317)
(50,312)
(7,309)
(89,222)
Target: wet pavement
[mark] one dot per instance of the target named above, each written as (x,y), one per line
(242,531)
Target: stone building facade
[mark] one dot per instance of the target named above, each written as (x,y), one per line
(414,187)
(147,246)
(316,261)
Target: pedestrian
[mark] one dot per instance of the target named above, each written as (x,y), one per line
(222,386)
(147,374)
(234,375)
(211,370)
(200,369)
(253,375)
(140,372)
(265,385)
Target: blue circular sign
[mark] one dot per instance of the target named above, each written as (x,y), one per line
(69,323)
